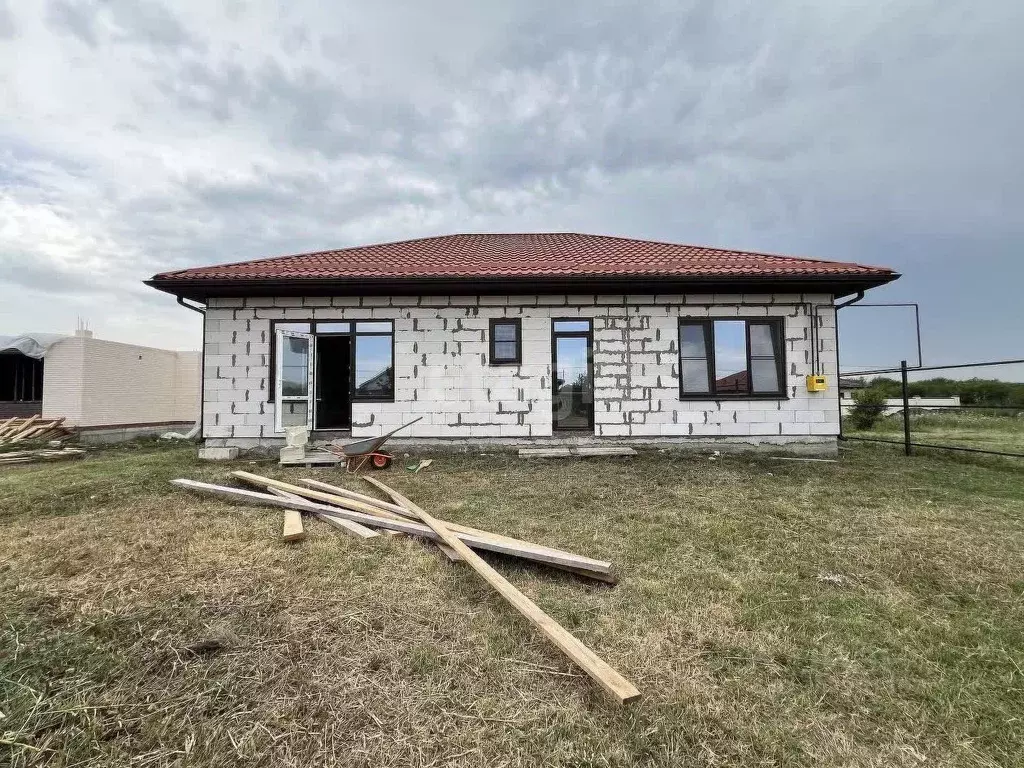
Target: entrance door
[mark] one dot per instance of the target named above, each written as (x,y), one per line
(294,380)
(572,382)
(333,382)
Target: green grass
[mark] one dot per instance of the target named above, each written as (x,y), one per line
(992,431)
(864,613)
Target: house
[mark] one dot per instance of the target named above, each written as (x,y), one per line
(520,338)
(848,387)
(106,389)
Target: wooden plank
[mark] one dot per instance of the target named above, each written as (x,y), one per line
(45,429)
(544,453)
(405,526)
(296,490)
(600,574)
(355,529)
(292,530)
(447,551)
(802,458)
(606,576)
(604,450)
(4,427)
(25,427)
(602,571)
(450,553)
(600,672)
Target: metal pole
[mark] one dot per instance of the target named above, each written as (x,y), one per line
(906,407)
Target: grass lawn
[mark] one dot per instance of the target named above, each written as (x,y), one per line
(865,613)
(998,431)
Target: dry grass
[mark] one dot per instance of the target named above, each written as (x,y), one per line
(772,613)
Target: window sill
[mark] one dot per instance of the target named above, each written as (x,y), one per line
(503,363)
(709,397)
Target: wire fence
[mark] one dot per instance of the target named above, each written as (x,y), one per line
(1002,436)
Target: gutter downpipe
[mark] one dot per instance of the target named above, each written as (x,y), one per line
(197,429)
(839,394)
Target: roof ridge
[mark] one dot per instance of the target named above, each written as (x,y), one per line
(524,254)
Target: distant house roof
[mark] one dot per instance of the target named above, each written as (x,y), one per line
(545,260)
(734,382)
(30,344)
(847,382)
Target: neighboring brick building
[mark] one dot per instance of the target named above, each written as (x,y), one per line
(98,385)
(523,338)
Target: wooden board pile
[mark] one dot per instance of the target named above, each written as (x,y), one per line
(365,516)
(16,430)
(42,454)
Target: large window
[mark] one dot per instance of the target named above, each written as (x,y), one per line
(374,368)
(731,358)
(506,342)
(371,351)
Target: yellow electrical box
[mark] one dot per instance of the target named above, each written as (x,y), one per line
(817,384)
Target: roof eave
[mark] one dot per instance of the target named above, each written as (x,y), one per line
(204,289)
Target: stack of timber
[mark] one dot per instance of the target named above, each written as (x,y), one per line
(16,430)
(43,454)
(365,516)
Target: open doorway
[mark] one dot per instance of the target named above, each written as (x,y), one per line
(333,382)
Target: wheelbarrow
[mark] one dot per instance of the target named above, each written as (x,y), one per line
(367,451)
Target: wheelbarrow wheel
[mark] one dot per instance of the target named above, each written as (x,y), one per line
(381,461)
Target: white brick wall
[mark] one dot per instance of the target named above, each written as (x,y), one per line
(441,370)
(95,382)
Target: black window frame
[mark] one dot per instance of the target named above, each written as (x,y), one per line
(518,324)
(778,326)
(588,335)
(354,333)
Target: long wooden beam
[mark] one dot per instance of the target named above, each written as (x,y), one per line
(404,526)
(599,670)
(595,569)
(447,551)
(608,577)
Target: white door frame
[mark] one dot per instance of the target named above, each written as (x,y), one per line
(279,396)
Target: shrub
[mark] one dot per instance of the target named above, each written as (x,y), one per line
(869,404)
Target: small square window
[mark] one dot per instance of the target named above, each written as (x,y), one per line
(506,342)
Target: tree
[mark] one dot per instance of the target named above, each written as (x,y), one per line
(869,404)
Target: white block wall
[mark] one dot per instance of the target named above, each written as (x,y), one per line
(441,370)
(94,382)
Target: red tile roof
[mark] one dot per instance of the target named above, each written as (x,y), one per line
(544,255)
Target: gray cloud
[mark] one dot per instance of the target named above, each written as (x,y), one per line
(7,28)
(78,19)
(187,133)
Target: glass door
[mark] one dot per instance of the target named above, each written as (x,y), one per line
(294,380)
(572,381)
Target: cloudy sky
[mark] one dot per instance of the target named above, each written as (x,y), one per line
(138,136)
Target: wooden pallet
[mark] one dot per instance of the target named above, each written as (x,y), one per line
(316,459)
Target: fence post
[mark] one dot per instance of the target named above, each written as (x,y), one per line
(906,407)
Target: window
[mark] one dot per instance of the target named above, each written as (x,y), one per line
(372,362)
(21,378)
(374,365)
(731,358)
(506,342)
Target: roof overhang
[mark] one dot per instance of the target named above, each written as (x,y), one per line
(202,290)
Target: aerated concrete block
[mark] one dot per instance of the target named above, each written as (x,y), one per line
(218,454)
